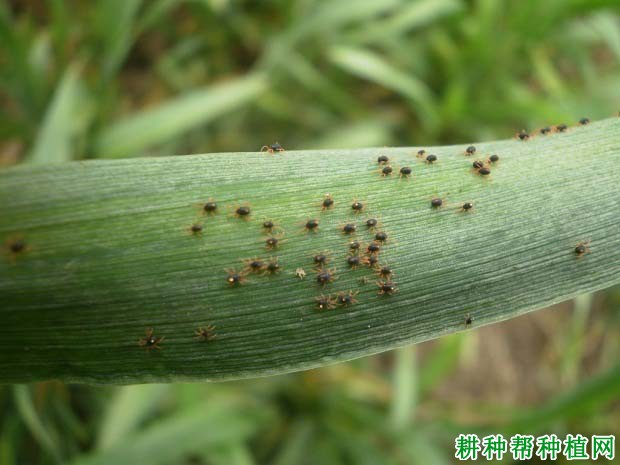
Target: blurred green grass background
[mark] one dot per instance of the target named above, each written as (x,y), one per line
(122,78)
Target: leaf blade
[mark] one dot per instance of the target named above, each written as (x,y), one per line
(137,132)
(111,256)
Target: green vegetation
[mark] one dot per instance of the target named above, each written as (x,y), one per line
(129,77)
(125,78)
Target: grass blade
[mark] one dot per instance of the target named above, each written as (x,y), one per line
(26,408)
(65,118)
(108,254)
(115,21)
(186,432)
(126,410)
(404,388)
(369,66)
(134,134)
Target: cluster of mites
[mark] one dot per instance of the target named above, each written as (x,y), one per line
(523,135)
(482,167)
(150,341)
(358,254)
(369,257)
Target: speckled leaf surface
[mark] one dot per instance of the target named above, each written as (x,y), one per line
(109,254)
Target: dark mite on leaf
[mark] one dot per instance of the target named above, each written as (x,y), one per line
(273,266)
(325,302)
(242,212)
(150,341)
(346,298)
(468,320)
(373,248)
(255,265)
(312,225)
(582,248)
(470,150)
(386,170)
(431,158)
(272,148)
(436,202)
(17,246)
(205,334)
(272,242)
(383,159)
(354,245)
(325,276)
(544,131)
(349,228)
(210,206)
(561,128)
(522,135)
(234,278)
(484,171)
(584,121)
(268,225)
(371,261)
(371,223)
(357,206)
(385,271)
(353,261)
(493,158)
(381,236)
(196,228)
(320,259)
(386,287)
(421,153)
(405,172)
(477,164)
(467,206)
(328,202)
